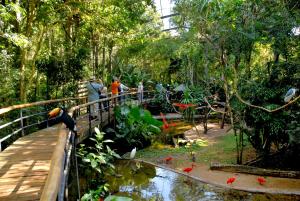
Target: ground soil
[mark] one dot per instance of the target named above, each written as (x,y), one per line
(203,173)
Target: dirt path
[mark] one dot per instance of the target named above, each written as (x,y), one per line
(244,182)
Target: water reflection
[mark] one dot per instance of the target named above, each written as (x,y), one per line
(145,182)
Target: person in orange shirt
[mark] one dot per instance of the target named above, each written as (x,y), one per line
(115,89)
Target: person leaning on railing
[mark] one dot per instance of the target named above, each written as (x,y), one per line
(115,89)
(140,92)
(123,88)
(103,94)
(94,88)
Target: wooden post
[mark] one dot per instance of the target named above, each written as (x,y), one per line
(90,119)
(110,103)
(101,113)
(61,190)
(22,122)
(76,164)
(223,119)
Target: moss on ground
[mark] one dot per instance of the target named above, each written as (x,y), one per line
(220,149)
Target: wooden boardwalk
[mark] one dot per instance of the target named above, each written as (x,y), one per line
(25,164)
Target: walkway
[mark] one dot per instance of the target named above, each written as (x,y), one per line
(36,166)
(25,165)
(202,172)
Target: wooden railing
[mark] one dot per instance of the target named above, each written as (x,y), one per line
(19,120)
(57,166)
(56,184)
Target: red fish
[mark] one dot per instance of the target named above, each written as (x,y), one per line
(168,159)
(230,180)
(261,180)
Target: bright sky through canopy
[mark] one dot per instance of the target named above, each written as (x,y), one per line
(164,7)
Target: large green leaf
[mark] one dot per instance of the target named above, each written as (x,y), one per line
(117,198)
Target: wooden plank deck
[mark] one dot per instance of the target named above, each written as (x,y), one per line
(25,164)
(83,124)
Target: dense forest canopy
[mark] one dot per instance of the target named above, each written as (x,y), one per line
(247,52)
(46,46)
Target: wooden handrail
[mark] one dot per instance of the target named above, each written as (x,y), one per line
(51,188)
(25,105)
(71,110)
(54,177)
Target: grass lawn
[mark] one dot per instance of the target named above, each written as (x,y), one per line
(220,149)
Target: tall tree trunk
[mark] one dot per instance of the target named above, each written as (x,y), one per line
(36,88)
(22,75)
(97,58)
(39,41)
(248,61)
(110,50)
(31,7)
(93,55)
(103,57)
(191,71)
(47,88)
(228,106)
(276,57)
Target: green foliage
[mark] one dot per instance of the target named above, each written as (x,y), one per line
(230,32)
(95,195)
(117,198)
(222,150)
(160,102)
(267,129)
(131,75)
(51,35)
(8,82)
(98,156)
(294,129)
(135,126)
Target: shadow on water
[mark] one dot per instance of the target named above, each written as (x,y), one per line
(144,182)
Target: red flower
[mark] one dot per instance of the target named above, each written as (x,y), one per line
(261,180)
(230,180)
(166,125)
(101,199)
(184,106)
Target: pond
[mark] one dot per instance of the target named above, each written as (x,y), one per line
(145,182)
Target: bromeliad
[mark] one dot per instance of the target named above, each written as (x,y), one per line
(184,106)
(166,125)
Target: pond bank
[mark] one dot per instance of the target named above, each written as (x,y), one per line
(245,182)
(211,151)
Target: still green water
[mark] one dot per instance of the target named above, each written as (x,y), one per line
(145,182)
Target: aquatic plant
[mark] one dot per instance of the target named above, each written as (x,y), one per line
(99,155)
(135,127)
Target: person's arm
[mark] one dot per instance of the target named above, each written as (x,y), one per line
(125,87)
